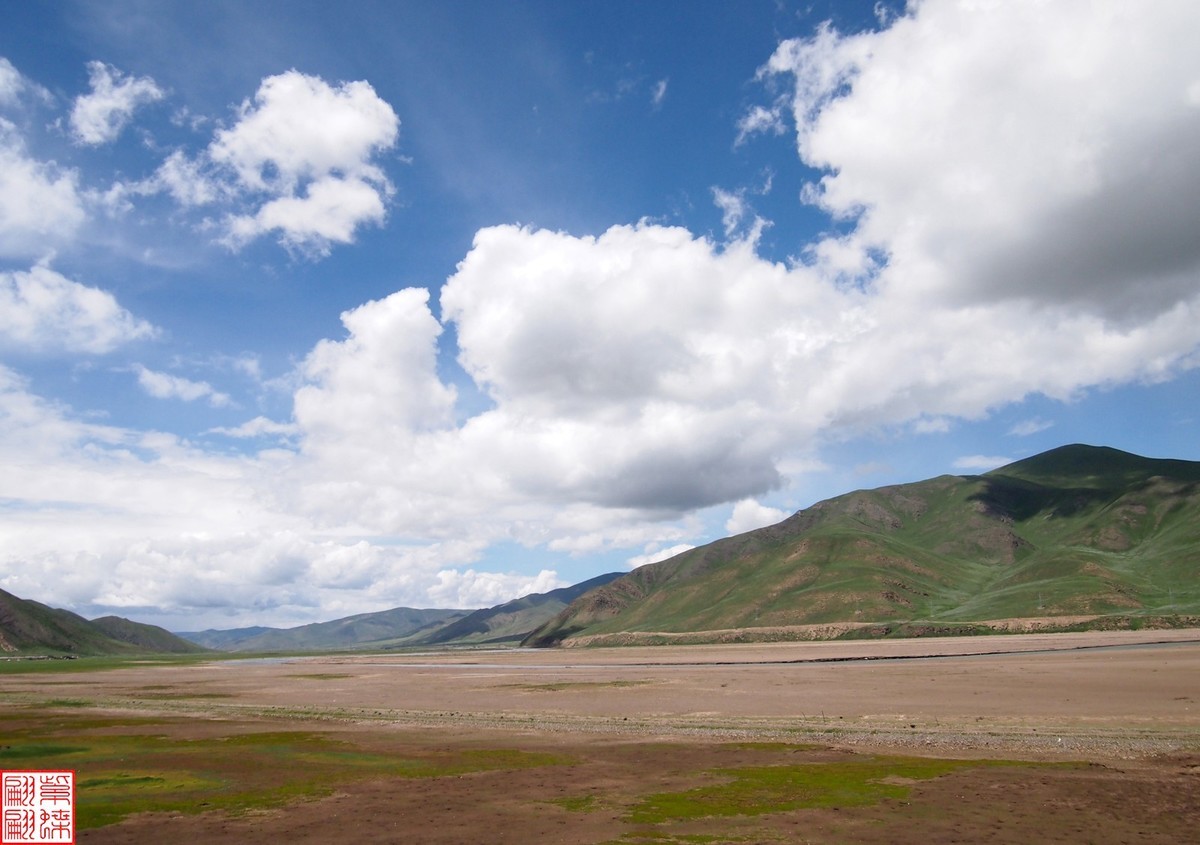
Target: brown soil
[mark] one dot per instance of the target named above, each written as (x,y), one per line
(635,722)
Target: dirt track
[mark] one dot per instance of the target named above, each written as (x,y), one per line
(653,719)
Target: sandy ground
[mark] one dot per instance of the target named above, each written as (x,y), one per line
(648,719)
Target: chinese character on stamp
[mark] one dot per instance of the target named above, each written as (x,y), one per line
(38,807)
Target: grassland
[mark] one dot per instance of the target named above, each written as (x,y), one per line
(130,765)
(666,745)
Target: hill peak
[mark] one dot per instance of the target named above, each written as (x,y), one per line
(1078,531)
(1082,465)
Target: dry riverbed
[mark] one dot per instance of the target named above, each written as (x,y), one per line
(1049,738)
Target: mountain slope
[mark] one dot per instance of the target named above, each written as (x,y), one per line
(514,620)
(224,639)
(352,631)
(404,627)
(150,638)
(28,627)
(1078,530)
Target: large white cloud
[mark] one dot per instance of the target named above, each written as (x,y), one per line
(1022,150)
(40,202)
(648,368)
(644,373)
(43,310)
(631,370)
(99,116)
(382,374)
(1018,184)
(107,519)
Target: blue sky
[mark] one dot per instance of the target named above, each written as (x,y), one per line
(310,310)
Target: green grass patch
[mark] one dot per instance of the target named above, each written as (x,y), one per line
(578,803)
(100,664)
(559,686)
(35,752)
(182,696)
(34,721)
(322,676)
(783,747)
(119,775)
(659,838)
(757,790)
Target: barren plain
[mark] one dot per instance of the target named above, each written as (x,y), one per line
(1026,738)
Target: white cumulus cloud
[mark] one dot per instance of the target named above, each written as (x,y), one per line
(99,116)
(1012,151)
(1016,186)
(749,514)
(308,149)
(43,310)
(658,555)
(468,588)
(144,523)
(40,202)
(300,161)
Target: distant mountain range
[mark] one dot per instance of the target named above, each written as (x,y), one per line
(512,621)
(1079,531)
(1081,535)
(386,627)
(27,627)
(405,627)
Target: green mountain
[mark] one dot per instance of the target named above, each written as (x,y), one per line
(512,621)
(404,627)
(149,638)
(1077,531)
(224,639)
(30,628)
(377,629)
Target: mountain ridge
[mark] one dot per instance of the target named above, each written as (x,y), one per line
(401,627)
(1076,531)
(29,627)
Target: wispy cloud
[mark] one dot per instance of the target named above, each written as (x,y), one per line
(258,427)
(166,386)
(981,462)
(1031,426)
(658,93)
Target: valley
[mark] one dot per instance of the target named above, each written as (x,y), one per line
(1005,738)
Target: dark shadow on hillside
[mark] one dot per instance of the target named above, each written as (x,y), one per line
(1022,500)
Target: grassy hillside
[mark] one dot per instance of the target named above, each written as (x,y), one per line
(404,627)
(374,629)
(1079,530)
(512,621)
(27,627)
(150,638)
